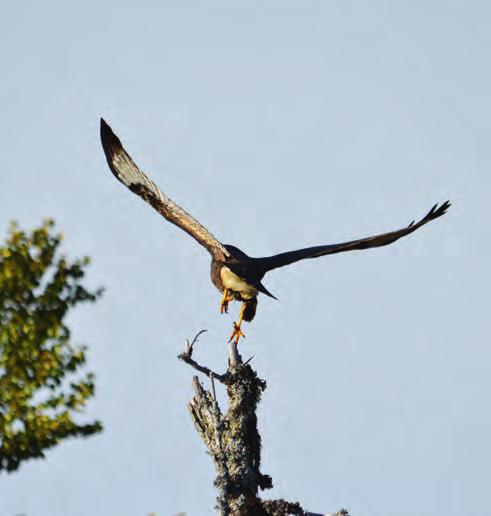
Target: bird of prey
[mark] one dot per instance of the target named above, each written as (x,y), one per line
(234,273)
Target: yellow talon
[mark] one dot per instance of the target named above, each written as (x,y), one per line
(225,301)
(237,333)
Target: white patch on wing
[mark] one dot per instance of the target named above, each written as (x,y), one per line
(127,171)
(237,284)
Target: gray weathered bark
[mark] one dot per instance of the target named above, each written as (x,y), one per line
(233,440)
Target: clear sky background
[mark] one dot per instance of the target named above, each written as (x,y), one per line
(278,124)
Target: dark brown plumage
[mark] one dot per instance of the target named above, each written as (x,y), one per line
(235,274)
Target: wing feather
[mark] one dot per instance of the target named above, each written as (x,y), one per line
(126,171)
(280,260)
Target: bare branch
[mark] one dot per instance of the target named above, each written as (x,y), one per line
(186,356)
(189,346)
(208,421)
(248,360)
(212,381)
(234,357)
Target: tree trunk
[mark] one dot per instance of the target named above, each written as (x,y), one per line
(233,440)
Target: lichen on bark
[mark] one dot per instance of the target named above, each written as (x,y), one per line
(233,440)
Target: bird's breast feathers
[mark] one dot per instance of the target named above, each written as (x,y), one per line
(235,283)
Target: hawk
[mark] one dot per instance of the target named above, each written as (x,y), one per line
(234,273)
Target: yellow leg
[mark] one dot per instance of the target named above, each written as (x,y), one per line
(237,333)
(225,301)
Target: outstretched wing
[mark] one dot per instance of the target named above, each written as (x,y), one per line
(280,260)
(126,171)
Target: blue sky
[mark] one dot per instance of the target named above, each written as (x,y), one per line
(278,125)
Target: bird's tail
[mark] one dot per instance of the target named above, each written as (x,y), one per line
(250,309)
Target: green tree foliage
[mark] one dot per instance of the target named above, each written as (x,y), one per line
(42,388)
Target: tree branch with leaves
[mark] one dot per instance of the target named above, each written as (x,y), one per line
(43,388)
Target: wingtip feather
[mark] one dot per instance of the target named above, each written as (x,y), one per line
(437,211)
(111,144)
(105,129)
